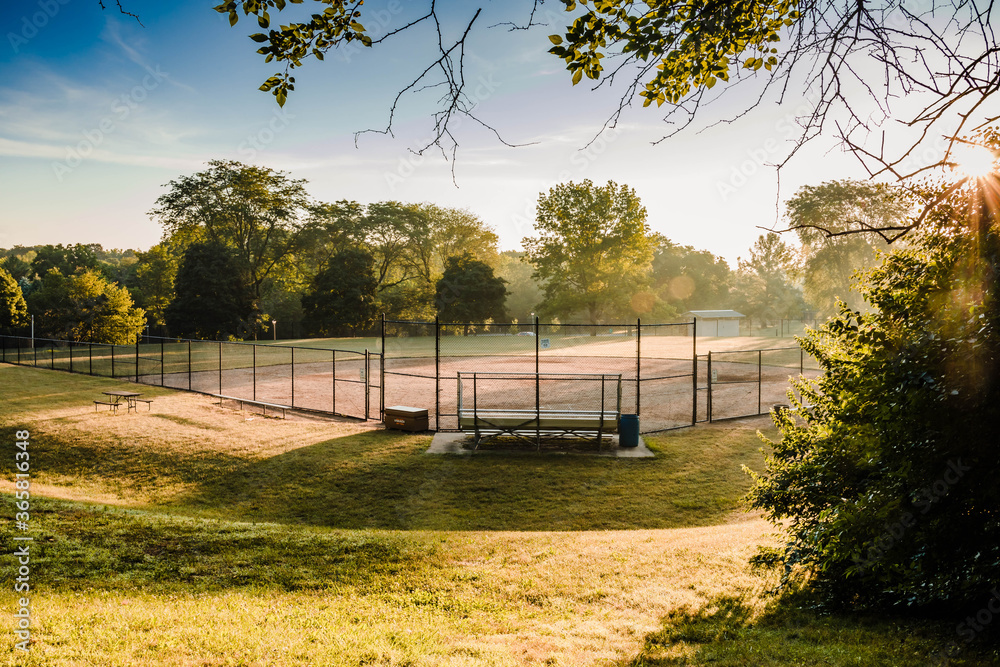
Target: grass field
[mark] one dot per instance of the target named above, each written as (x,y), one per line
(193,535)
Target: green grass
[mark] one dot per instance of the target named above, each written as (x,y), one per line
(191,535)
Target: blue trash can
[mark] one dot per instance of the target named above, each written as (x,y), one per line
(628,431)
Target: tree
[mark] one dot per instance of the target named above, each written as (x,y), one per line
(258,212)
(943,58)
(17,267)
(211,302)
(829,262)
(398,237)
(686,279)
(593,250)
(408,242)
(102,311)
(469,292)
(65,259)
(13,309)
(763,289)
(458,231)
(84,307)
(884,479)
(343,294)
(524,293)
(155,276)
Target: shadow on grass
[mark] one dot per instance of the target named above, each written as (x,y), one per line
(383,480)
(726,633)
(77,546)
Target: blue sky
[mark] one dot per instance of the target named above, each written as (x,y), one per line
(97,113)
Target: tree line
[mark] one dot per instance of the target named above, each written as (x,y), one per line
(245,249)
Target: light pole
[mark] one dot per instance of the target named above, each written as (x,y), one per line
(274,328)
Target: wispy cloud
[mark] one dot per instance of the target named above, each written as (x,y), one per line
(130,42)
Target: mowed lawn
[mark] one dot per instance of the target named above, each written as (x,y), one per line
(195,535)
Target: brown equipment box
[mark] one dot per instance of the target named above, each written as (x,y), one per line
(403,418)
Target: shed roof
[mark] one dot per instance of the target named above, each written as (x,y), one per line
(715,314)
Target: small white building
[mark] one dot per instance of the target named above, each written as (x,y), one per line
(716,322)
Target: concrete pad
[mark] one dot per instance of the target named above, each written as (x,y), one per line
(461,444)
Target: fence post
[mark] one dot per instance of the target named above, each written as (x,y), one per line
(381,377)
(189,365)
(161,362)
(90,358)
(538,396)
(52,358)
(137,339)
(255,371)
(437,373)
(366,383)
(760,379)
(220,367)
(112,360)
(333,387)
(638,366)
(708,404)
(802,368)
(694,372)
(293,381)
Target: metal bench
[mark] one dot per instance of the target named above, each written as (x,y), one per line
(112,407)
(533,406)
(248,401)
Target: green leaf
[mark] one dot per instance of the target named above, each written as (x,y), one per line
(233,18)
(577,76)
(556,39)
(259,37)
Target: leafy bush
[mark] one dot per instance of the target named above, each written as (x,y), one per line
(886,475)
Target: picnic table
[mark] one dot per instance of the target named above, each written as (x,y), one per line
(130,398)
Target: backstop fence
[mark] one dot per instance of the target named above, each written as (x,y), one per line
(417,364)
(423,361)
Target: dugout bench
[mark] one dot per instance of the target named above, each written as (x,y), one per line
(531,407)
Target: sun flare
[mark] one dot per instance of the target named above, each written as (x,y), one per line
(973,161)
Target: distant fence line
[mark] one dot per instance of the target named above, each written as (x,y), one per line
(416,363)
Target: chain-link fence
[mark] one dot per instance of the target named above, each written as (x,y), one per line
(417,364)
(781,328)
(335,381)
(423,360)
(743,383)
